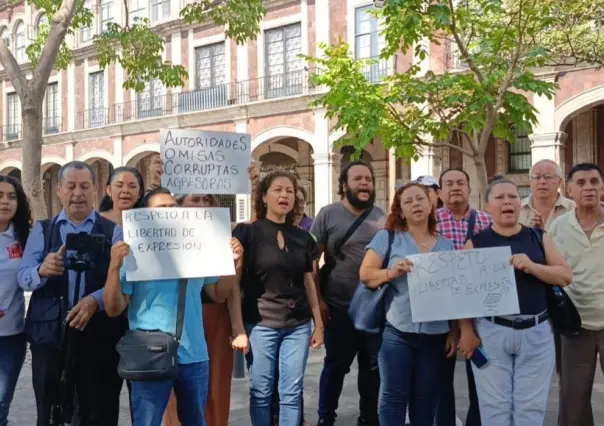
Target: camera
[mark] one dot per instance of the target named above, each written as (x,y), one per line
(84,243)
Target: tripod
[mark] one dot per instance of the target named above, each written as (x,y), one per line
(61,411)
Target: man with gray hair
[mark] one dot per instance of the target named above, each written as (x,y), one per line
(48,271)
(545,202)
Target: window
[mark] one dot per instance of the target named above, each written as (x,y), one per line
(137,10)
(86,32)
(51,109)
(13,116)
(106,14)
(42,22)
(520,154)
(524,191)
(96,101)
(20,42)
(210,70)
(284,70)
(368,43)
(160,9)
(4,37)
(150,100)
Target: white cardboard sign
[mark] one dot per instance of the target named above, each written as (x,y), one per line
(200,162)
(462,284)
(169,243)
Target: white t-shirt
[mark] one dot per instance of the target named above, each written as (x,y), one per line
(12,301)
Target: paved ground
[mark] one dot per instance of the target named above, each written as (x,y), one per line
(23,409)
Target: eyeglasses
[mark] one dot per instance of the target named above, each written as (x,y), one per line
(545,176)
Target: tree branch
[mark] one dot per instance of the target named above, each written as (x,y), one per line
(12,68)
(453,146)
(59,23)
(463,49)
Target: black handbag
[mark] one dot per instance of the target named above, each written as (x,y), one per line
(150,355)
(332,258)
(563,314)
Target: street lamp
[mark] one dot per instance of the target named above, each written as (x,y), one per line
(379,3)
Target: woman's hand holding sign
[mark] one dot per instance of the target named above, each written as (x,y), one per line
(119,251)
(399,269)
(522,263)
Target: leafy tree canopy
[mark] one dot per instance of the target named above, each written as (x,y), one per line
(501,45)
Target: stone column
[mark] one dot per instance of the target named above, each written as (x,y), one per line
(380,170)
(424,165)
(336,168)
(324,179)
(548,146)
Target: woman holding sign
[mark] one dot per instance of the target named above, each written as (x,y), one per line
(279,299)
(514,357)
(410,358)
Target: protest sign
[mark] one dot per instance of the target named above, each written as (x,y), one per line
(462,284)
(168,243)
(199,162)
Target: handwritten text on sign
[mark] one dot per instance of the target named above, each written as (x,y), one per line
(205,162)
(168,243)
(462,284)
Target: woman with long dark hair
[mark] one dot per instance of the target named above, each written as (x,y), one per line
(410,357)
(15,224)
(279,299)
(224,332)
(124,191)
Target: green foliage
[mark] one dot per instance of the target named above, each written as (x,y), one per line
(501,44)
(137,48)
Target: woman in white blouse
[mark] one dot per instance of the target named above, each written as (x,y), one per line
(15,223)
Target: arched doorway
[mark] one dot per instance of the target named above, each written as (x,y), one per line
(50,175)
(141,162)
(293,155)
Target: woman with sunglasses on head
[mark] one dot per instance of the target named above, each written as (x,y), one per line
(15,224)
(279,299)
(513,386)
(410,357)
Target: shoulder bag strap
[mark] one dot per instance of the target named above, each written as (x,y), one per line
(180,312)
(387,256)
(471,224)
(355,225)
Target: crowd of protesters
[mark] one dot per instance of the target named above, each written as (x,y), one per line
(280,304)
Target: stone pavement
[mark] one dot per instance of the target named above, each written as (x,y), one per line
(23,408)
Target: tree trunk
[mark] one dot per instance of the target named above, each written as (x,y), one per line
(31,119)
(481,173)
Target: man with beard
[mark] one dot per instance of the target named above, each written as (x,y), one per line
(339,278)
(457,222)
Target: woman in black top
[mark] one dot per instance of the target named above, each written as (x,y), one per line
(279,299)
(513,385)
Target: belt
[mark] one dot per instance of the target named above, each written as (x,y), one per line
(520,323)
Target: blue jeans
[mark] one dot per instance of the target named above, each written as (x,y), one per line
(514,386)
(342,344)
(12,355)
(410,367)
(285,350)
(149,399)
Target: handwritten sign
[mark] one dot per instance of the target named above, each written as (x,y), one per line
(462,284)
(168,243)
(199,162)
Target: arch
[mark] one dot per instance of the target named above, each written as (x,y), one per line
(9,165)
(276,147)
(90,156)
(581,102)
(50,160)
(136,154)
(20,36)
(283,132)
(40,18)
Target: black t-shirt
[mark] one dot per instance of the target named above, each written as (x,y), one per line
(273,279)
(532,296)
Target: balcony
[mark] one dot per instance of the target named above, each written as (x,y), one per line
(296,83)
(10,133)
(52,125)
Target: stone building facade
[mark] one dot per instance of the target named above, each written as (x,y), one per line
(260,88)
